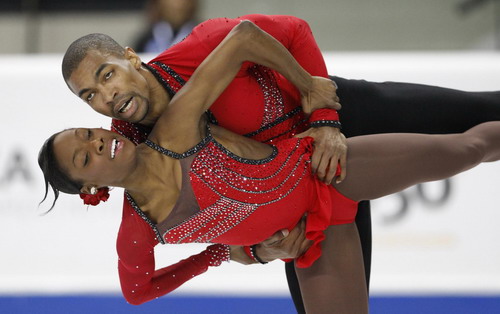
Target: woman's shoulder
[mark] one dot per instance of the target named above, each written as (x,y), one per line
(180,145)
(134,234)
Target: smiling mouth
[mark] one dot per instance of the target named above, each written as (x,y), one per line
(114,145)
(126,106)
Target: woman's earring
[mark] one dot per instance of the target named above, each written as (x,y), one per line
(93,190)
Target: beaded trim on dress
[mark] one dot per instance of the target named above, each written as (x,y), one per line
(172,82)
(175,155)
(209,138)
(274,106)
(229,209)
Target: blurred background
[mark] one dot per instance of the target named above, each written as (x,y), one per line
(48,26)
(435,246)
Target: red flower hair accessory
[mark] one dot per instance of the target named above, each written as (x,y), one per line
(94,199)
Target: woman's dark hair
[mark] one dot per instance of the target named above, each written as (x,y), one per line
(54,175)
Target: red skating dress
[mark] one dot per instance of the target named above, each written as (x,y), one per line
(237,201)
(259,103)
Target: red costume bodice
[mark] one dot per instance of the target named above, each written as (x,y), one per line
(232,200)
(259,103)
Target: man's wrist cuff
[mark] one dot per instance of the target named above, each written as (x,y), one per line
(250,251)
(330,123)
(324,117)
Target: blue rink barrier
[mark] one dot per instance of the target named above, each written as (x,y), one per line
(241,305)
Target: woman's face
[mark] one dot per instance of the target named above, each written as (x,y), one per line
(95,157)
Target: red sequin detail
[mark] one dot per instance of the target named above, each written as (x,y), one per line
(229,189)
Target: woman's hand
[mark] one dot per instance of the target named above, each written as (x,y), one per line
(330,150)
(322,93)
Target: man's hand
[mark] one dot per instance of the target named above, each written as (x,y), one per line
(284,244)
(330,150)
(322,94)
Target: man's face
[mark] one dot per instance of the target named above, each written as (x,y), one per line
(112,85)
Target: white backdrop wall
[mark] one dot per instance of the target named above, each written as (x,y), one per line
(447,247)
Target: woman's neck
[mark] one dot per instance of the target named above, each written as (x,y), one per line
(155,182)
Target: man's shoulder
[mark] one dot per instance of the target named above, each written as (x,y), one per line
(134,132)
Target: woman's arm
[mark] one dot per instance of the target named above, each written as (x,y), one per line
(217,71)
(141,283)
(292,32)
(140,280)
(248,42)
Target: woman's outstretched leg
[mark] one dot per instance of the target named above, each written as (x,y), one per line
(394,107)
(335,283)
(387,163)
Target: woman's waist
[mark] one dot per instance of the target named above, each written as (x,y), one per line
(225,220)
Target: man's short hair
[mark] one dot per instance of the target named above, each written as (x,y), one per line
(77,51)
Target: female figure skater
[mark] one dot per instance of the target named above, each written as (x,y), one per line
(196,182)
